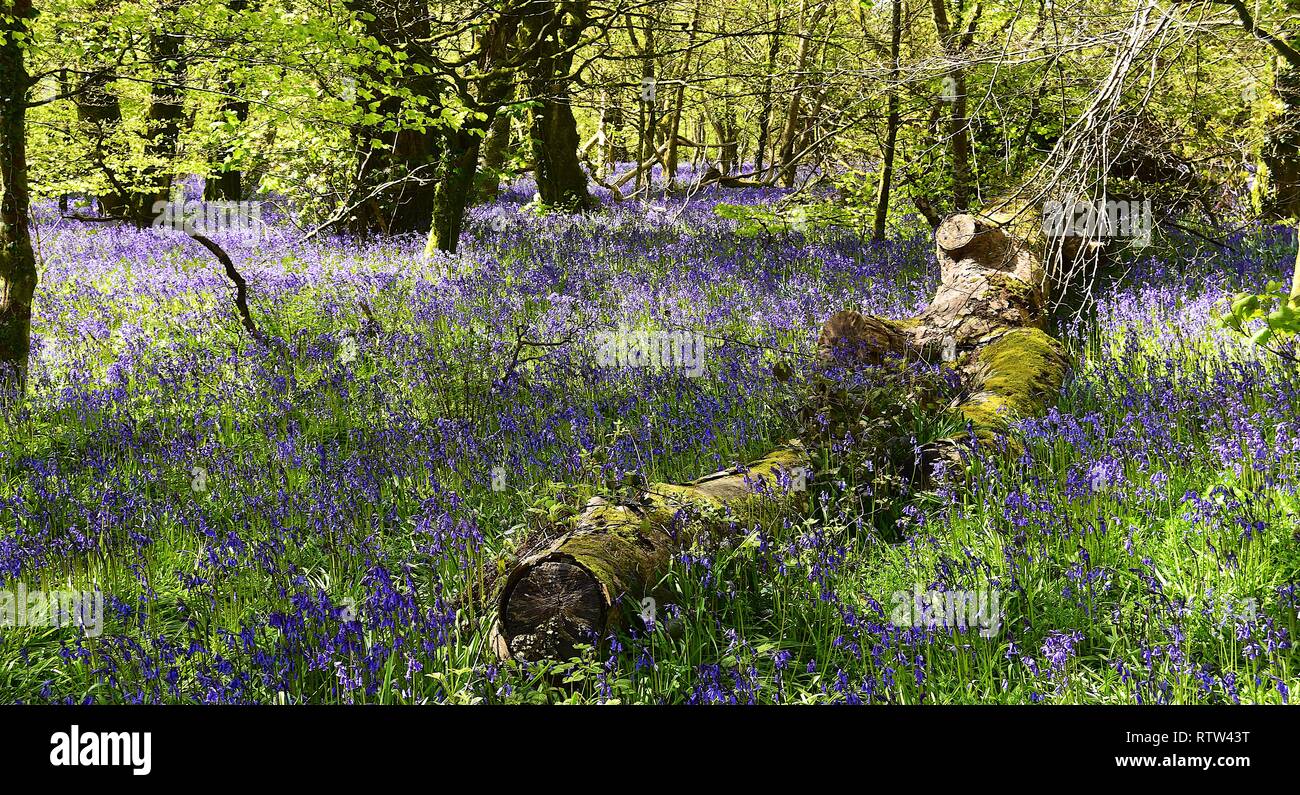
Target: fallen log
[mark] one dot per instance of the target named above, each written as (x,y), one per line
(986,321)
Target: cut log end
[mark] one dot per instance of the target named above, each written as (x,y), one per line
(551,609)
(955,232)
(850,337)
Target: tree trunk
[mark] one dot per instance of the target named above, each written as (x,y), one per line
(674,130)
(229,184)
(166,110)
(646,116)
(459,149)
(679,102)
(451,194)
(561,180)
(395,165)
(955,41)
(568,592)
(986,317)
(765,96)
(1281,151)
(959,134)
(790,134)
(611,134)
(99,116)
(891,125)
(17,259)
(495,149)
(1295,268)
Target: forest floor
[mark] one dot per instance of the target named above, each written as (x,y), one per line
(296,524)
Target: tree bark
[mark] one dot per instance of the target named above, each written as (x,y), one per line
(459,149)
(647,147)
(986,318)
(1295,268)
(955,41)
(17,259)
(892,122)
(401,159)
(611,131)
(679,103)
(166,110)
(561,180)
(790,135)
(99,116)
(1281,150)
(765,95)
(452,191)
(229,182)
(496,147)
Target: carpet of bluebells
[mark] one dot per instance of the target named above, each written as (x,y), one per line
(300,522)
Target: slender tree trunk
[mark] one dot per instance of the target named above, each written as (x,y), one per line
(959,134)
(702,138)
(891,124)
(646,118)
(679,102)
(1281,151)
(790,136)
(765,97)
(674,130)
(611,129)
(728,138)
(955,41)
(1295,271)
(17,259)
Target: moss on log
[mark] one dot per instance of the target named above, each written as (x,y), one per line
(566,593)
(1013,376)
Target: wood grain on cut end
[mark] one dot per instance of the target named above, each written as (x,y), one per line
(956,232)
(553,607)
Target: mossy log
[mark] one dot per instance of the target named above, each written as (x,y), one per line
(564,594)
(986,320)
